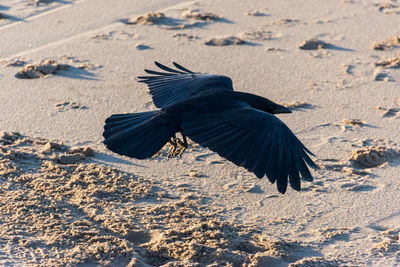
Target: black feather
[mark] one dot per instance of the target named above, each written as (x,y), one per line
(182,68)
(158,73)
(163,67)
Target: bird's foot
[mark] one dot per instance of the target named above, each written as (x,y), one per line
(172,150)
(177,147)
(182,147)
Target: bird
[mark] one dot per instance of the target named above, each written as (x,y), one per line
(239,126)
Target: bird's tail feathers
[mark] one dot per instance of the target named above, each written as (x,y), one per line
(138,135)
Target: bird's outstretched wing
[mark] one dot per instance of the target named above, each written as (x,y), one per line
(180,84)
(256,140)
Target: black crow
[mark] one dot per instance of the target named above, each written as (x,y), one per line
(238,126)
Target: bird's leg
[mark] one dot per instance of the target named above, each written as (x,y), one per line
(174,144)
(178,146)
(183,145)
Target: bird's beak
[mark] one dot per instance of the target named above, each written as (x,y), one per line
(281,109)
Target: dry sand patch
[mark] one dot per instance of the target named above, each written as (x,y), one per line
(72,212)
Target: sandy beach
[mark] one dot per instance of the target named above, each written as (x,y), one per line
(65,200)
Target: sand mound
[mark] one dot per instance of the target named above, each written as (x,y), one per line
(373,156)
(313,44)
(393,62)
(354,122)
(149,18)
(192,14)
(389,243)
(39,70)
(74,212)
(224,40)
(387,44)
(297,105)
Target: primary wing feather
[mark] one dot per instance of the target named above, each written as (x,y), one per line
(254,139)
(174,86)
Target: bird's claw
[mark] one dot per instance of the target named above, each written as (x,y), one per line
(177,148)
(182,147)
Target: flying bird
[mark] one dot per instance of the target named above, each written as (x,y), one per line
(239,126)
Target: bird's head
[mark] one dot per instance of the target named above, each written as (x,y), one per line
(274,108)
(262,103)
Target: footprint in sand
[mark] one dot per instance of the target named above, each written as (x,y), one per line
(251,187)
(142,47)
(76,63)
(197,15)
(381,75)
(389,112)
(256,13)
(260,34)
(185,36)
(360,187)
(334,234)
(347,69)
(286,22)
(40,2)
(14,63)
(114,35)
(314,188)
(388,8)
(352,124)
(387,243)
(68,105)
(387,45)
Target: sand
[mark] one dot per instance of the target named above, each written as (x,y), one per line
(65,200)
